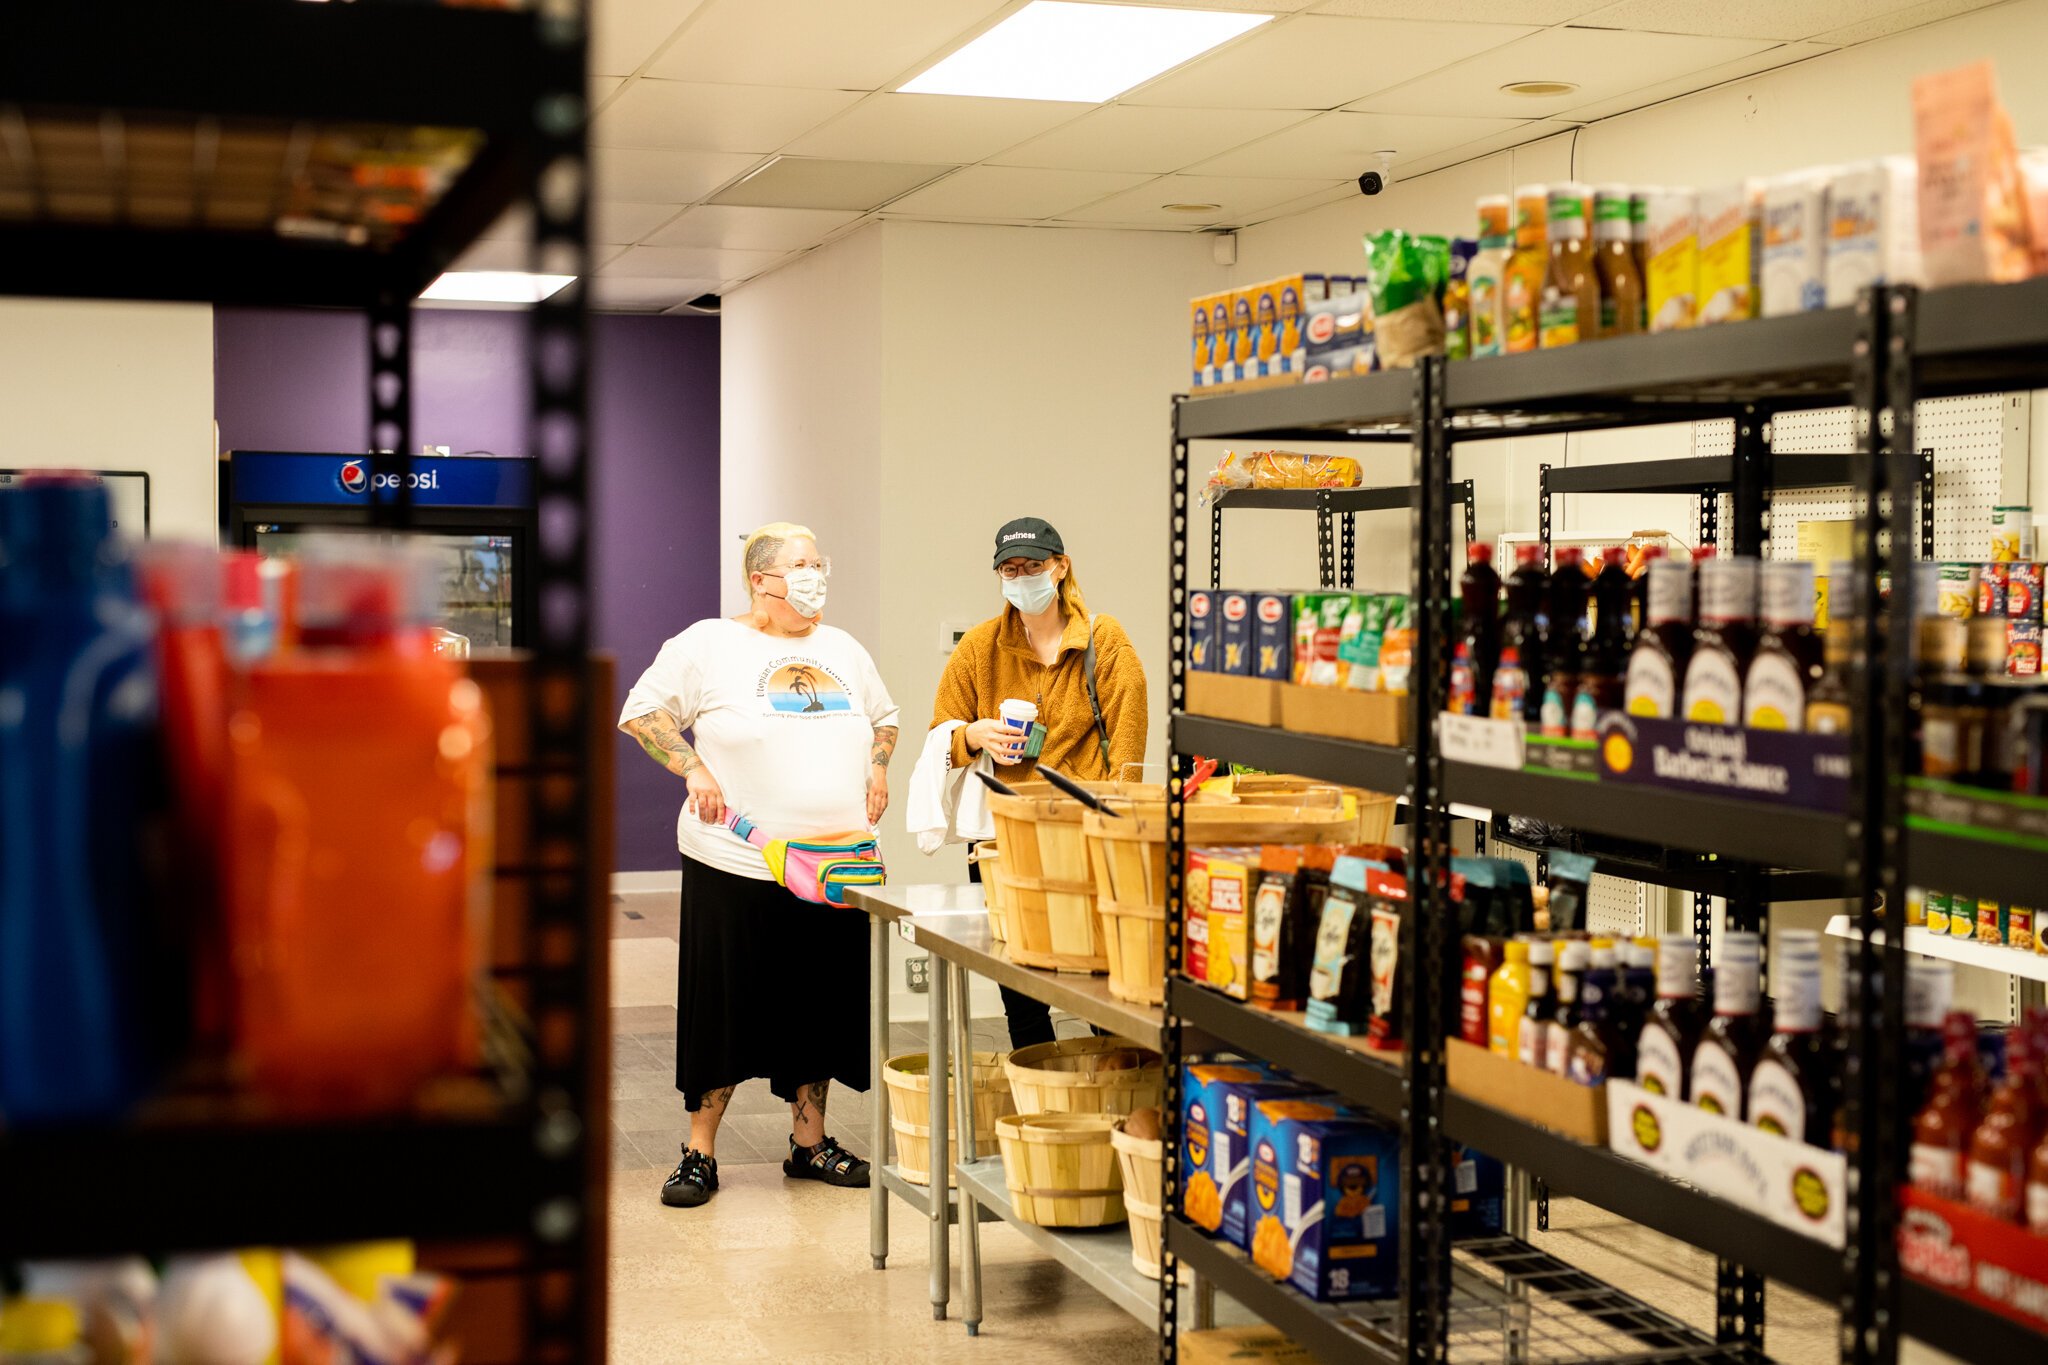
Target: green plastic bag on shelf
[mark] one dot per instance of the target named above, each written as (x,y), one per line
(1407,272)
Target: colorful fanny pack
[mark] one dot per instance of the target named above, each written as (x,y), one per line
(818,869)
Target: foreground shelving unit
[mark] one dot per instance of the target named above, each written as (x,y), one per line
(1880,356)
(343,156)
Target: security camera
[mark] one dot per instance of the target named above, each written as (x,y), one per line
(1375,180)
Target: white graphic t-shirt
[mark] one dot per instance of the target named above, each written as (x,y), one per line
(786,726)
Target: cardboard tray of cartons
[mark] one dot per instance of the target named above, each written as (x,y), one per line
(1538,1097)
(1335,713)
(1226,696)
(1257,1345)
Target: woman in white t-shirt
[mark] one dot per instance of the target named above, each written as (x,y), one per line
(792,728)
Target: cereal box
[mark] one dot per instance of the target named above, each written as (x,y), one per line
(1290,346)
(1794,240)
(1273,636)
(1674,282)
(1234,633)
(1873,228)
(1194,948)
(1729,258)
(1333,1181)
(1222,338)
(1241,1101)
(1202,1133)
(1201,350)
(1335,338)
(1244,335)
(1233,872)
(1202,631)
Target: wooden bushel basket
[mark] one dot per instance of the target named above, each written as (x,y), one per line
(1048,887)
(994,893)
(1060,1169)
(1086,1076)
(910,1098)
(1142,1160)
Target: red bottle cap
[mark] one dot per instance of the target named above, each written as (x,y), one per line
(1531,553)
(1650,552)
(1570,554)
(1704,552)
(1613,554)
(1480,553)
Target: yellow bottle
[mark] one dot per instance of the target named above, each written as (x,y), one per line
(1507,998)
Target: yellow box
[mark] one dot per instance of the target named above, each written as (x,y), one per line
(1244,335)
(1674,283)
(1201,342)
(1278,346)
(1729,257)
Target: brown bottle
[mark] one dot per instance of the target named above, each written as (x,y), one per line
(2001,1149)
(1622,286)
(1527,268)
(1722,642)
(1639,247)
(1656,667)
(1574,959)
(1787,663)
(1791,1090)
(1946,1122)
(1570,311)
(1733,1039)
(1827,703)
(1664,1051)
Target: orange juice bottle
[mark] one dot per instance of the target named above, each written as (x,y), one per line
(357,841)
(1522,283)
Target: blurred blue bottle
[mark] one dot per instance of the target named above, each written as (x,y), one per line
(77,716)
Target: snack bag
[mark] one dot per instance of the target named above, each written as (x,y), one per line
(1330,608)
(1397,645)
(1358,645)
(1408,274)
(1973,207)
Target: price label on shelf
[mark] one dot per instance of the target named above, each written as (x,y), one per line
(1478,739)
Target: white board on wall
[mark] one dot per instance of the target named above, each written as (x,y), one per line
(127,490)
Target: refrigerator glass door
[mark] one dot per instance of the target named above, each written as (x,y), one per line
(476,575)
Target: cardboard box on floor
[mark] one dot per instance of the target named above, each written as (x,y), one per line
(1242,1346)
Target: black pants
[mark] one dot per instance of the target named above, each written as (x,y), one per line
(1030,1020)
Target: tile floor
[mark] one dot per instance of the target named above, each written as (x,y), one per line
(774,1269)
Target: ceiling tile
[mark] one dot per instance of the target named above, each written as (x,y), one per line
(716,118)
(1784,20)
(1332,194)
(723,225)
(1340,145)
(823,44)
(1013,192)
(618,294)
(1520,135)
(1319,62)
(1784,54)
(664,177)
(796,182)
(602,88)
(622,222)
(1898,21)
(625,33)
(688,262)
(500,254)
(1464,11)
(1136,137)
(1238,199)
(514,225)
(933,128)
(1601,62)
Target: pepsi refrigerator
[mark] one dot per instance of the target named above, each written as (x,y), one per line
(475,512)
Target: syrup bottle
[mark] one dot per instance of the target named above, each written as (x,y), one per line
(1792,1089)
(1532,1036)
(1723,641)
(1787,665)
(1563,644)
(1656,667)
(1518,673)
(1472,659)
(1601,676)
(1664,1050)
(1734,1038)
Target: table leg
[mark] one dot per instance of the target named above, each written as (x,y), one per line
(1205,1303)
(878,1096)
(942,1163)
(963,1092)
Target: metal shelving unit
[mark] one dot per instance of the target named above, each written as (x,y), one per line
(1878,357)
(254,152)
(1335,568)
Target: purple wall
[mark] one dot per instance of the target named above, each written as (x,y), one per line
(298,380)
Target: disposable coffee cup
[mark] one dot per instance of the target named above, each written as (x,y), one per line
(1018,715)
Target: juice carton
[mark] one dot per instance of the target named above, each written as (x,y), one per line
(1794,243)
(1674,259)
(1202,1132)
(1973,203)
(1232,875)
(1873,227)
(1318,631)
(1244,345)
(1729,221)
(1273,636)
(1241,1103)
(1334,1227)
(1234,633)
(1202,630)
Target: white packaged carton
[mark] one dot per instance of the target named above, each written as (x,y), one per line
(1795,242)
(1873,227)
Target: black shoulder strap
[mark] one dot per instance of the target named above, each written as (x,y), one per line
(1095,700)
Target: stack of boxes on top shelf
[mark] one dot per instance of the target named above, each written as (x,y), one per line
(1296,329)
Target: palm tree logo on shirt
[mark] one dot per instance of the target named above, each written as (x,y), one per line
(806,689)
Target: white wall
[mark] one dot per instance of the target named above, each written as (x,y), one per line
(87,385)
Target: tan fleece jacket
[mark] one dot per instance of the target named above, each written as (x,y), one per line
(994,662)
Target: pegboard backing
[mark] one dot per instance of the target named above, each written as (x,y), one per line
(1966,435)
(1614,905)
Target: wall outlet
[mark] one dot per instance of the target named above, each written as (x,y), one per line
(917,974)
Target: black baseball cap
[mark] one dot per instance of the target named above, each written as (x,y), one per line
(1027,538)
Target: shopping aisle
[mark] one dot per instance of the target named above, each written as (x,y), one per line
(775,1269)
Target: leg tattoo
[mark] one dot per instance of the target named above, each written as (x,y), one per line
(704,1120)
(807,1113)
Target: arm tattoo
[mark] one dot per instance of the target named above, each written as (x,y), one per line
(885,745)
(663,740)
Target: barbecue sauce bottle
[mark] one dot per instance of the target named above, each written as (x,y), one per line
(1601,676)
(1532,1035)
(1734,1038)
(1563,645)
(2000,1149)
(1827,704)
(1787,665)
(1472,658)
(1791,1091)
(1518,673)
(1622,288)
(1955,1103)
(1656,667)
(1723,641)
(1664,1050)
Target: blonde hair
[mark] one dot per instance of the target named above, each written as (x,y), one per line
(1071,600)
(763,544)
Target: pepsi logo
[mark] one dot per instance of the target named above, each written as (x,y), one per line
(1234,607)
(1198,604)
(1269,610)
(1322,327)
(353,478)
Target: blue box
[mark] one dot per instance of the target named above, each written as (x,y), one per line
(1479,1193)
(1206,1153)
(1234,633)
(1202,631)
(1273,636)
(1241,1100)
(1327,1186)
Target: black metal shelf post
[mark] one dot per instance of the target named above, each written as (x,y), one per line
(1176,864)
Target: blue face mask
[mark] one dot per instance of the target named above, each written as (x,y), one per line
(1030,595)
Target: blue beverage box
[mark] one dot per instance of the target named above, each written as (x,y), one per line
(1273,636)
(1327,1187)
(1234,633)
(1202,631)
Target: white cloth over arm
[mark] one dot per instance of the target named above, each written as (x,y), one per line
(946,805)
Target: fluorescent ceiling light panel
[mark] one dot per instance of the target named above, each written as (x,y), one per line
(1058,50)
(494,286)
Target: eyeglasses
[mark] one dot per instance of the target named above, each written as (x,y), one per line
(1022,568)
(820,563)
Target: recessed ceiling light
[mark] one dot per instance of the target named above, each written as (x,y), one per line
(1058,50)
(1191,208)
(1539,89)
(494,286)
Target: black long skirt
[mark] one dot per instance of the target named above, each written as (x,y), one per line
(768,986)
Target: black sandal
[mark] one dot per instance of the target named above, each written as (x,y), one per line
(692,1182)
(827,1161)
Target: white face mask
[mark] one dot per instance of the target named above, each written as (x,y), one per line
(1030,595)
(805,589)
